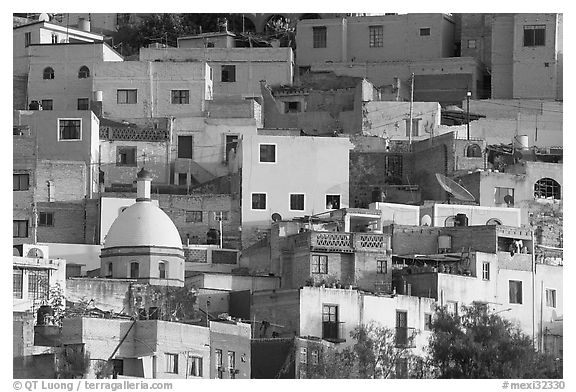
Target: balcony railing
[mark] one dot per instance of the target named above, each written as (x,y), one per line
(333,331)
(348,242)
(405,337)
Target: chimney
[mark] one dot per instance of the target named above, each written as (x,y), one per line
(143,180)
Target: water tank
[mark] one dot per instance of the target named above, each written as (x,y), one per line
(520,142)
(461,220)
(444,243)
(83,24)
(43,315)
(97,96)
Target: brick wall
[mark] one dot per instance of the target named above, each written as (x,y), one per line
(69,180)
(410,240)
(69,224)
(278,307)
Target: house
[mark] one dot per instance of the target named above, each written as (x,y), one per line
(230,354)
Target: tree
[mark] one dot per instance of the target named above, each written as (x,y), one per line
(481,344)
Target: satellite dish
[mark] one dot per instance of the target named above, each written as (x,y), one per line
(509,200)
(455,189)
(276,217)
(426,220)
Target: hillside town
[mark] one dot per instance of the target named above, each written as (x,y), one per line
(249,196)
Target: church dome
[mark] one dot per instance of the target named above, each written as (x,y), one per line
(143,224)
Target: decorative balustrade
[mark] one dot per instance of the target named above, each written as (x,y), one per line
(368,241)
(134,134)
(348,242)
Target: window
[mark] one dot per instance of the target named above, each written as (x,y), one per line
(27,39)
(69,129)
(48,73)
(297,202)
(291,107)
(126,96)
(231,143)
(180,97)
(471,44)
(20,228)
(232,364)
(134,270)
(504,196)
(267,153)
(303,355)
(376,36)
(427,322)
(84,72)
(219,368)
(425,31)
(185,147)
(450,221)
(217,215)
(182,178)
(258,201)
(393,166)
(415,123)
(83,104)
(401,328)
(551,298)
(122,19)
(17,280)
(319,37)
(319,264)
(493,221)
(534,35)
(126,156)
(38,284)
(228,73)
(314,357)
(110,269)
(486,270)
(46,219)
(47,104)
(452,307)
(332,202)
(515,291)
(381,267)
(54,38)
(194,216)
(162,270)
(20,182)
(547,188)
(171,363)
(195,366)
(330,322)
(473,151)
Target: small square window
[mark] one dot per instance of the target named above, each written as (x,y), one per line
(535,35)
(20,228)
(20,182)
(292,107)
(319,36)
(47,104)
(425,31)
(332,202)
(297,202)
(427,322)
(515,291)
(194,216)
(551,298)
(228,73)
(180,97)
(381,267)
(126,96)
(195,366)
(83,104)
(126,156)
(267,153)
(319,264)
(471,44)
(171,363)
(258,201)
(46,219)
(69,129)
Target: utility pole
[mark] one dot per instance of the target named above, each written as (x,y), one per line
(411,110)
(468,94)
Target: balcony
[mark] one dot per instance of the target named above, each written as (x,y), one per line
(333,331)
(405,337)
(348,242)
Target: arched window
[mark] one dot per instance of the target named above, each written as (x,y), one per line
(48,73)
(493,221)
(450,221)
(547,188)
(162,270)
(473,151)
(134,269)
(84,72)
(36,253)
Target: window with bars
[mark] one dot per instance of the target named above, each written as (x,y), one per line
(46,219)
(515,291)
(486,270)
(38,284)
(297,202)
(425,31)
(195,366)
(551,298)
(393,166)
(83,72)
(534,35)
(194,216)
(381,267)
(83,104)
(319,36)
(47,104)
(20,228)
(20,182)
(17,282)
(376,36)
(171,363)
(180,97)
(319,264)
(125,96)
(258,201)
(547,188)
(69,129)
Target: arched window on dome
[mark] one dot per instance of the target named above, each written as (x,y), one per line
(109,271)
(134,269)
(162,270)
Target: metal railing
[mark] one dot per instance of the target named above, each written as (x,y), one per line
(333,331)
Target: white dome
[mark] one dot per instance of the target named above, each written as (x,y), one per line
(143,224)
